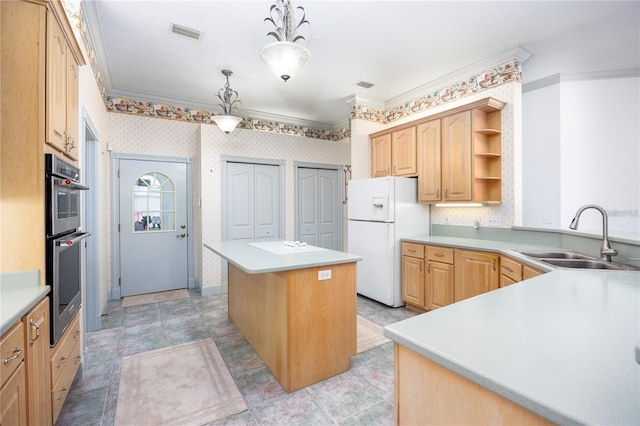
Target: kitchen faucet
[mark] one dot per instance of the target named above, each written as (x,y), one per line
(605,249)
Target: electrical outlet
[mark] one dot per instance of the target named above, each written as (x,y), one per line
(547,219)
(494,221)
(324,275)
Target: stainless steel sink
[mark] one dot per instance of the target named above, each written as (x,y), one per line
(556,255)
(587,264)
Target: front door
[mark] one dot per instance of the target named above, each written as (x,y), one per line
(319,210)
(153,226)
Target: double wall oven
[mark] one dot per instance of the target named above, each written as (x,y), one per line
(64,241)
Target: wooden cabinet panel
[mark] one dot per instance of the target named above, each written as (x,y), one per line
(13,399)
(11,351)
(403,152)
(56,120)
(413,281)
(65,361)
(36,325)
(72,108)
(381,156)
(429,161)
(456,157)
(475,273)
(440,285)
(511,268)
(439,254)
(413,250)
(529,272)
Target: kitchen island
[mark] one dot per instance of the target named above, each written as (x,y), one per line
(295,305)
(558,348)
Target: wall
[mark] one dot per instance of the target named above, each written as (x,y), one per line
(582,143)
(211,145)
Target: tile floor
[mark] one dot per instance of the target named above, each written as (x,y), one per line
(361,396)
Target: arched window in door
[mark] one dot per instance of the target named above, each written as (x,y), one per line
(154,201)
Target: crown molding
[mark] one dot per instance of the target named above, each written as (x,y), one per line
(582,76)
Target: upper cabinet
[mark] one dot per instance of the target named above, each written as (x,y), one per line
(457,153)
(394,153)
(63,59)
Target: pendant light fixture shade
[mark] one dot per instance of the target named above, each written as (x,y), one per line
(285,57)
(229,97)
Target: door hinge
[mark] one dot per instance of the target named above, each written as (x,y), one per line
(118,227)
(118,172)
(119,281)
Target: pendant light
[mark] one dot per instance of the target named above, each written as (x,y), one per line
(227,122)
(285,57)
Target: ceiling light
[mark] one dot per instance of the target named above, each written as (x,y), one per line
(364,84)
(285,57)
(227,122)
(186,31)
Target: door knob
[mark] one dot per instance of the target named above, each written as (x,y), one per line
(182,226)
(181,236)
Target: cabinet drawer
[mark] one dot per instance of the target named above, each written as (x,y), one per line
(67,374)
(61,355)
(505,281)
(11,350)
(511,269)
(413,250)
(440,254)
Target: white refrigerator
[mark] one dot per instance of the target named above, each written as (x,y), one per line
(381,211)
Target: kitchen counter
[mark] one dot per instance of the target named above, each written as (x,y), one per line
(255,260)
(278,297)
(19,292)
(561,345)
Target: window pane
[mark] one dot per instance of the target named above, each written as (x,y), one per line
(153,203)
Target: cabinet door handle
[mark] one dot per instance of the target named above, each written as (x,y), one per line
(437,193)
(438,254)
(429,267)
(508,269)
(16,353)
(62,362)
(446,193)
(493,264)
(412,250)
(63,393)
(33,324)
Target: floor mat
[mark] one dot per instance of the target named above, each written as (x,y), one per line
(370,335)
(161,296)
(187,384)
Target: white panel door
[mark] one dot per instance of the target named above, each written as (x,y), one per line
(319,209)
(253,201)
(153,226)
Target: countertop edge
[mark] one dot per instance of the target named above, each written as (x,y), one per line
(26,299)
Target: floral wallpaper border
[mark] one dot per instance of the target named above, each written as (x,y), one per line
(506,73)
(510,71)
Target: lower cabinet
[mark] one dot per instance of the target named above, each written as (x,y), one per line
(413,284)
(475,273)
(24,396)
(65,361)
(512,271)
(439,278)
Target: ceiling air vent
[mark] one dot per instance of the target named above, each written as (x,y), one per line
(186,31)
(364,84)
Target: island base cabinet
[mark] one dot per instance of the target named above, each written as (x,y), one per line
(303,328)
(428,394)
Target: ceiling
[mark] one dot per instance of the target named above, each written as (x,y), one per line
(399,46)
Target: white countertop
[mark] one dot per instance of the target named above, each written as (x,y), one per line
(561,345)
(19,292)
(256,260)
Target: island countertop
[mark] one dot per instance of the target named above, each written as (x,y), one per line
(252,259)
(562,345)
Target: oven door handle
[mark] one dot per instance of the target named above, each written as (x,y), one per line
(72,239)
(71,184)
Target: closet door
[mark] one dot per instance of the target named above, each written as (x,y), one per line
(319,208)
(253,201)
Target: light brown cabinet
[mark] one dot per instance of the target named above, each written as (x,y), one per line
(33,35)
(475,273)
(413,278)
(394,153)
(36,327)
(429,161)
(512,271)
(61,90)
(13,393)
(24,397)
(439,278)
(456,157)
(65,361)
